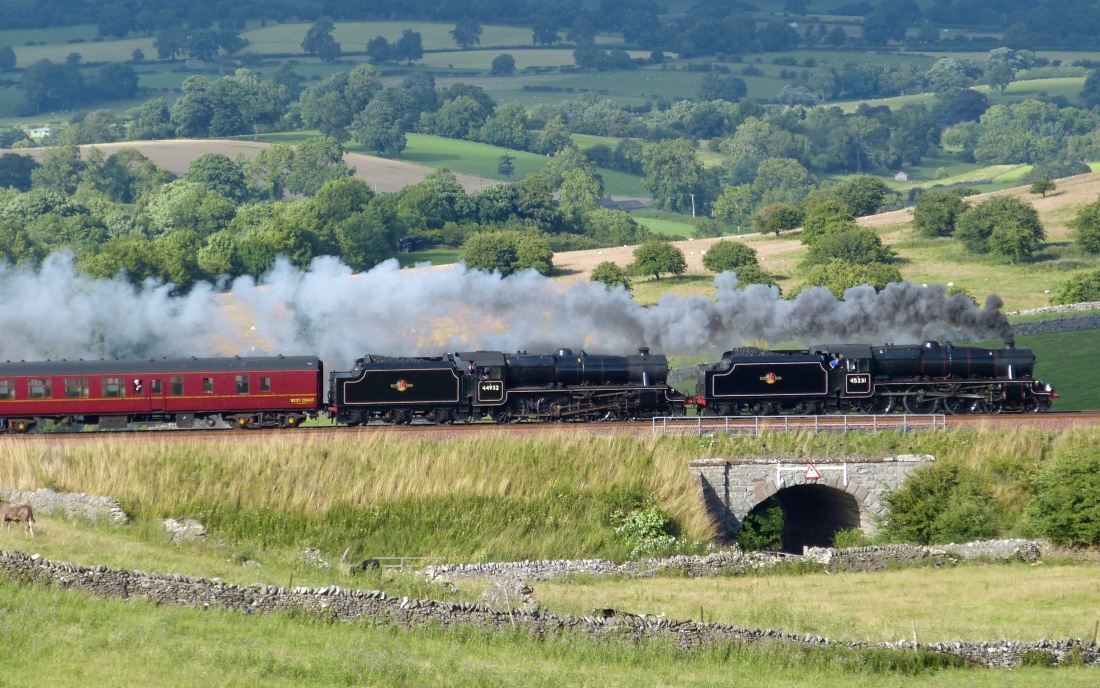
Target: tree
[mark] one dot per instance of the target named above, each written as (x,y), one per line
(177,257)
(467,32)
(506,165)
(379,50)
(776,217)
(723,256)
(319,41)
(1011,240)
(409,46)
(975,226)
(507,252)
(580,193)
(753,274)
(782,180)
(459,118)
(1066,506)
(316,161)
(1085,226)
(16,171)
(939,503)
(852,244)
(657,256)
(554,137)
(1082,287)
(717,86)
(368,237)
(153,121)
(378,128)
(863,195)
(936,212)
(217,173)
(49,86)
(186,205)
(838,276)
(268,171)
(672,174)
(7,58)
(507,128)
(1043,185)
(734,206)
(503,65)
(611,275)
(544,31)
(820,214)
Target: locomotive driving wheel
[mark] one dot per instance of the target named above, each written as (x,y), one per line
(959,406)
(918,400)
(877,405)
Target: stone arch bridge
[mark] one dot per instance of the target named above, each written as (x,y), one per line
(848,494)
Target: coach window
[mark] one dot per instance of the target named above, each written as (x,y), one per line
(208,385)
(76,388)
(40,389)
(156,387)
(7,389)
(175,385)
(113,387)
(242,384)
(265,384)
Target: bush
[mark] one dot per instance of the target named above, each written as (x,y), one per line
(939,503)
(853,537)
(611,275)
(776,217)
(1086,227)
(656,256)
(864,194)
(729,255)
(839,276)
(508,252)
(647,529)
(1081,287)
(975,226)
(935,213)
(1066,508)
(753,274)
(763,528)
(821,213)
(850,243)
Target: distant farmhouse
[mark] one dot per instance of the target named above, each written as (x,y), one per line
(38,133)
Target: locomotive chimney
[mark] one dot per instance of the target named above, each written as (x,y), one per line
(643,350)
(1010,341)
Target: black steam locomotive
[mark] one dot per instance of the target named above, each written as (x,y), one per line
(858,378)
(467,386)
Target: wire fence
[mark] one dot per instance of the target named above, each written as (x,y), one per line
(754,425)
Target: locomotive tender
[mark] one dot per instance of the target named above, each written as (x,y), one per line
(859,378)
(268,392)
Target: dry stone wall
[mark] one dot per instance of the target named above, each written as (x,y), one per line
(73,505)
(374,605)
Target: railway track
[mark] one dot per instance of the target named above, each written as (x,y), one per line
(687,426)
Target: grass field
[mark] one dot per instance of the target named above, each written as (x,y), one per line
(286,39)
(669,228)
(69,639)
(435,257)
(481,159)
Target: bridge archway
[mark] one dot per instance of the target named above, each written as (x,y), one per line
(814,514)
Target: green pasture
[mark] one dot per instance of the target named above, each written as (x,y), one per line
(90,51)
(285,39)
(668,228)
(1064,360)
(70,639)
(442,256)
(482,159)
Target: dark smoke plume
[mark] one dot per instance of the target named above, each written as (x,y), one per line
(56,312)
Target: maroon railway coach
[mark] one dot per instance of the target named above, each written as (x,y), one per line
(244,392)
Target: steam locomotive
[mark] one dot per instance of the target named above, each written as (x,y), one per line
(858,378)
(564,385)
(467,386)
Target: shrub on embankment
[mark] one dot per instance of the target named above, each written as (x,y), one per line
(484,498)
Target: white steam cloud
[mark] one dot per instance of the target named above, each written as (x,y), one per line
(56,312)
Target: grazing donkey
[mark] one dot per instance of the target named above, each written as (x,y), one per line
(18,513)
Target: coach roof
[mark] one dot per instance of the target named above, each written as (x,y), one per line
(161,366)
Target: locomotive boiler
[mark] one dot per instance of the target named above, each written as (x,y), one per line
(465,386)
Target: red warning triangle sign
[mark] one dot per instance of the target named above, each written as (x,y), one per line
(812,473)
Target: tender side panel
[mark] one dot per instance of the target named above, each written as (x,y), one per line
(770,379)
(401,386)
